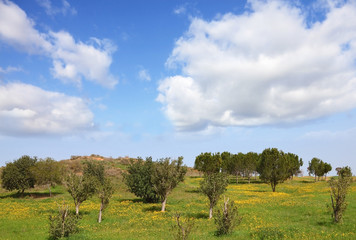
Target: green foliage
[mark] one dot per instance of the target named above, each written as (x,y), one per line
(294,164)
(318,168)
(249,165)
(273,167)
(166,176)
(138,179)
(47,172)
(183,227)
(212,186)
(17,175)
(339,190)
(227,219)
(80,188)
(208,162)
(269,233)
(62,224)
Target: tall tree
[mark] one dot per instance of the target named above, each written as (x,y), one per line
(208,163)
(80,188)
(138,179)
(273,167)
(166,176)
(47,172)
(294,164)
(249,164)
(235,165)
(313,166)
(103,186)
(18,176)
(213,185)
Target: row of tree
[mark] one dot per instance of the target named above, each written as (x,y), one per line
(272,165)
(318,168)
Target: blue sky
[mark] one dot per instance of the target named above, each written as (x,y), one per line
(177,78)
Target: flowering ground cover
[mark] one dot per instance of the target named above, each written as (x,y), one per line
(297,210)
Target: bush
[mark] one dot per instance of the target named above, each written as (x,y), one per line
(227,219)
(182,228)
(63,224)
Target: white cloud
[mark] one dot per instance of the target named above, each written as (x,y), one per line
(72,60)
(10,69)
(262,67)
(29,110)
(144,75)
(51,10)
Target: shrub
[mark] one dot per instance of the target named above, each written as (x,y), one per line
(63,224)
(182,228)
(227,219)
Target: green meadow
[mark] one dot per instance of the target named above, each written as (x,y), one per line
(297,210)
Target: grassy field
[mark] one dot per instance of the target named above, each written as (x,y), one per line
(298,210)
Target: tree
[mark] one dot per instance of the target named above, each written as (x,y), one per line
(47,172)
(80,188)
(18,176)
(138,179)
(103,186)
(339,189)
(234,165)
(313,167)
(208,163)
(294,164)
(273,167)
(227,219)
(225,161)
(249,164)
(213,185)
(327,168)
(63,224)
(166,176)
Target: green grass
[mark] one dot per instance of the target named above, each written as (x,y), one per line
(298,210)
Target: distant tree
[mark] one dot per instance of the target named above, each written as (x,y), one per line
(213,185)
(18,176)
(47,172)
(249,164)
(80,188)
(95,171)
(294,163)
(225,161)
(166,176)
(314,166)
(208,163)
(339,189)
(235,165)
(327,168)
(138,179)
(273,167)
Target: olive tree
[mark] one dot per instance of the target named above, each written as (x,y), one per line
(213,185)
(47,172)
(273,167)
(18,176)
(339,188)
(166,176)
(138,179)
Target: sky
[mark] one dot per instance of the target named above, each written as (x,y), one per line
(177,78)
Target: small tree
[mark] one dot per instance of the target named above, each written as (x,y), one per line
(213,185)
(273,167)
(166,176)
(313,167)
(227,219)
(47,172)
(339,189)
(138,179)
(18,176)
(80,188)
(182,228)
(249,164)
(63,224)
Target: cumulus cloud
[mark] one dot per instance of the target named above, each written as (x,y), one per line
(51,10)
(266,66)
(72,60)
(29,110)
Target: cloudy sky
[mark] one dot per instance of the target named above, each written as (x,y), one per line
(177,78)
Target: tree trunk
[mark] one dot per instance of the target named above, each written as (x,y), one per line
(315,177)
(273,187)
(249,178)
(49,189)
(237,178)
(164,204)
(210,212)
(101,210)
(77,209)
